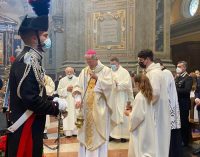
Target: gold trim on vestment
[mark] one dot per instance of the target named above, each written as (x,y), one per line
(89,122)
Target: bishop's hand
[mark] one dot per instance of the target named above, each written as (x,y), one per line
(128,109)
(127,112)
(70,88)
(93,76)
(78,104)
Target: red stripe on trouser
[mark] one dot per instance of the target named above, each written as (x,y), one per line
(25,148)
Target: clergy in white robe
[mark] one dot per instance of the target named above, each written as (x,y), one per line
(160,101)
(94,95)
(50,88)
(123,93)
(175,142)
(65,87)
(173,100)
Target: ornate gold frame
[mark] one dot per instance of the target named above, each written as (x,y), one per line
(100,16)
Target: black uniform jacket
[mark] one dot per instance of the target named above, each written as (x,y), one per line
(1,83)
(184,87)
(30,100)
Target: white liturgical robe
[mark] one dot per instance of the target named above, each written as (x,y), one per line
(49,85)
(161,106)
(142,128)
(69,121)
(50,88)
(173,100)
(123,93)
(98,112)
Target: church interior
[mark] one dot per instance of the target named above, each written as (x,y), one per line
(113,28)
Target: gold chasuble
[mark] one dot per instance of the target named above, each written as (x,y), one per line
(99,115)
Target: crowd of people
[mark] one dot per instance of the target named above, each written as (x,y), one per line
(105,96)
(160,109)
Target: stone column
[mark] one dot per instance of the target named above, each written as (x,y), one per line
(54,57)
(74,26)
(152,26)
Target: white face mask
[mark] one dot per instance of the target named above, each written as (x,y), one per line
(178,70)
(113,67)
(70,76)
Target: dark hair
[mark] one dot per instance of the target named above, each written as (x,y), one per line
(144,86)
(114,59)
(146,53)
(26,35)
(158,60)
(184,63)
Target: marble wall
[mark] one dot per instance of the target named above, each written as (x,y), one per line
(74,25)
(118,28)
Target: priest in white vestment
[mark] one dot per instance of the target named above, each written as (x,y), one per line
(160,101)
(65,87)
(142,122)
(175,142)
(94,95)
(123,93)
(50,88)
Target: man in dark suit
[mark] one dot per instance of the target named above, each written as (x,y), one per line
(1,83)
(184,86)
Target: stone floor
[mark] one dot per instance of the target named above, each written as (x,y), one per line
(69,146)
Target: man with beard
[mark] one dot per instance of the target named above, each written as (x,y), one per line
(29,103)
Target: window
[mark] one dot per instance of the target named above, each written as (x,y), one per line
(193,7)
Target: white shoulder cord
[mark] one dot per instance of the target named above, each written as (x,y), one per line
(37,71)
(27,70)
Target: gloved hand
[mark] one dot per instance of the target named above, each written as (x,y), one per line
(62,103)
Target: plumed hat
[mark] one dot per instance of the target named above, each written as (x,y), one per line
(39,23)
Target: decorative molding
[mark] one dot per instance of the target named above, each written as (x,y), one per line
(104,5)
(109,30)
(58,23)
(7,24)
(185,26)
(4,19)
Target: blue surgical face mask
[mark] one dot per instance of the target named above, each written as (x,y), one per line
(113,67)
(47,43)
